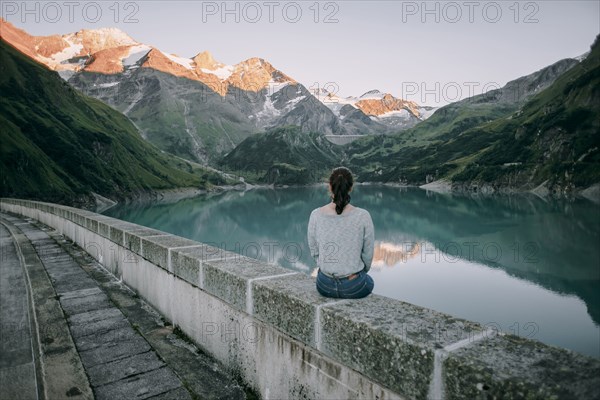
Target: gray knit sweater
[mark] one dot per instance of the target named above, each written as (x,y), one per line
(341,244)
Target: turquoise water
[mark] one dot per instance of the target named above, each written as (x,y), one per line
(520,264)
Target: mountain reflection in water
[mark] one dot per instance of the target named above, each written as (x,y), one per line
(510,260)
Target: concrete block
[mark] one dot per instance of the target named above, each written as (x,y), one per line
(290,304)
(91,223)
(228,279)
(133,237)
(116,231)
(390,341)
(156,248)
(187,263)
(81,216)
(78,218)
(511,367)
(101,224)
(104,229)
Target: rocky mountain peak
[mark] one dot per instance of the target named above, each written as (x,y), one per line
(206,60)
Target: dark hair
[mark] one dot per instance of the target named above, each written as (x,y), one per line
(341,182)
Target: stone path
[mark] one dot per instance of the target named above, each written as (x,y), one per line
(17,366)
(115,345)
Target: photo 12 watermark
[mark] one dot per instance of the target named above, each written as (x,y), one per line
(452,12)
(254,332)
(270,12)
(71,11)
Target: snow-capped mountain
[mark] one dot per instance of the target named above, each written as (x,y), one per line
(67,52)
(382,108)
(199,108)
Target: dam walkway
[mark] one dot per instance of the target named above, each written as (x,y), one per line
(70,329)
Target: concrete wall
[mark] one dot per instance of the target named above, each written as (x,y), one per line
(270,325)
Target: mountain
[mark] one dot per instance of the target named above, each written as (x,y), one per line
(551,142)
(61,146)
(196,108)
(451,120)
(65,53)
(283,156)
(456,117)
(375,111)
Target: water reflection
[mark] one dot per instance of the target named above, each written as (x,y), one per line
(388,254)
(508,260)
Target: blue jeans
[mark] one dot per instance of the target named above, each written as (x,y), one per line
(343,288)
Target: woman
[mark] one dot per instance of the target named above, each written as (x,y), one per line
(341,239)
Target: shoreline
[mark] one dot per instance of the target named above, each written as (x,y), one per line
(444,187)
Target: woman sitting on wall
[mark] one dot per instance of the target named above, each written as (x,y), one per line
(341,239)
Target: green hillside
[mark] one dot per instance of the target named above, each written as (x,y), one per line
(554,138)
(59,145)
(284,155)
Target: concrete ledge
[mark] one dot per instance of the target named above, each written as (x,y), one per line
(187,262)
(390,341)
(511,367)
(291,304)
(133,234)
(271,326)
(156,248)
(116,231)
(230,279)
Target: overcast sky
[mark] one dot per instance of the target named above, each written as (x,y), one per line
(432,53)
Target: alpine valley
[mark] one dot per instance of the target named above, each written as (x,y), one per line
(199,108)
(61,146)
(209,121)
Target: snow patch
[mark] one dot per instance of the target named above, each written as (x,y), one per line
(120,37)
(291,103)
(185,62)
(275,87)
(404,114)
(333,102)
(222,73)
(135,54)
(68,52)
(269,110)
(107,85)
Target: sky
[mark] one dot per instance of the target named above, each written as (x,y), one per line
(431,52)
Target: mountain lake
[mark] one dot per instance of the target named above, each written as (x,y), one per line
(519,264)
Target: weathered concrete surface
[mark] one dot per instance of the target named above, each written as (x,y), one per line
(60,373)
(202,375)
(89,313)
(510,367)
(291,304)
(17,367)
(156,248)
(269,326)
(187,263)
(390,341)
(118,358)
(133,235)
(229,279)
